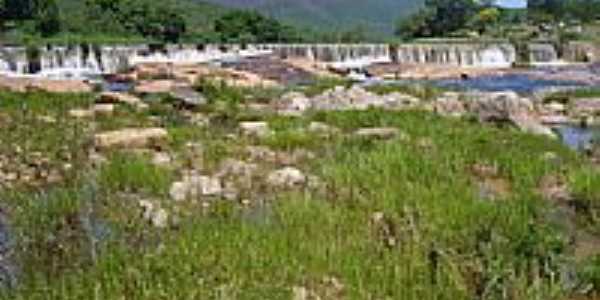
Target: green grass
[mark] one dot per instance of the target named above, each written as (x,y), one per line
(134,174)
(585,186)
(436,235)
(421,91)
(322,84)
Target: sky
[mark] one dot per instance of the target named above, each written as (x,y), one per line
(512,3)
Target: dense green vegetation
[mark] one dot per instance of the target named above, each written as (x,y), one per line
(555,10)
(134,20)
(442,18)
(436,213)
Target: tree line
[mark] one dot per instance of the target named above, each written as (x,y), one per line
(442,18)
(164,21)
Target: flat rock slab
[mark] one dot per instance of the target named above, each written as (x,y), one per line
(130,138)
(114,98)
(382,133)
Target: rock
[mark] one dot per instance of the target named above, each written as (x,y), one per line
(157,216)
(498,106)
(179,191)
(154,86)
(288,177)
(24,84)
(555,119)
(81,113)
(322,128)
(585,107)
(187,97)
(554,188)
(103,109)
(450,105)
(118,98)
(161,159)
(382,133)
(47,119)
(293,104)
(236,168)
(238,172)
(130,137)
(528,124)
(199,119)
(255,129)
(261,154)
(193,186)
(555,107)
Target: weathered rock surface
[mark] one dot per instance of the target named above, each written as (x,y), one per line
(255,129)
(188,97)
(193,186)
(585,107)
(288,177)
(130,137)
(341,98)
(449,104)
(498,106)
(155,215)
(117,98)
(22,84)
(382,133)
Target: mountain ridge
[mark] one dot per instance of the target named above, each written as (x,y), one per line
(378,15)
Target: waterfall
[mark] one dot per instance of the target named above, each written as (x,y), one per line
(88,61)
(542,53)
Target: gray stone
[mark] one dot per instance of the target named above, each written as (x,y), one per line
(188,97)
(498,106)
(130,137)
(255,129)
(293,104)
(194,186)
(288,177)
(382,133)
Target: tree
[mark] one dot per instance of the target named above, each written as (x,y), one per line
(251,27)
(484,18)
(48,18)
(438,18)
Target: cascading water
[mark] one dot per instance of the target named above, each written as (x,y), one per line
(541,53)
(84,61)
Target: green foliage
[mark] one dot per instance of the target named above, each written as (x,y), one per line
(438,18)
(422,91)
(133,173)
(545,11)
(585,186)
(157,20)
(251,27)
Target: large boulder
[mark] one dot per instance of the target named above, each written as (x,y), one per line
(130,138)
(498,106)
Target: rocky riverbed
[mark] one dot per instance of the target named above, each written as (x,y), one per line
(226,180)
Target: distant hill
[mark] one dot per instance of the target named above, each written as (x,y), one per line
(199,14)
(379,15)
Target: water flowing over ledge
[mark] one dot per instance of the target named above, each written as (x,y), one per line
(83,61)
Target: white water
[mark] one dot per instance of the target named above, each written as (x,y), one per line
(85,62)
